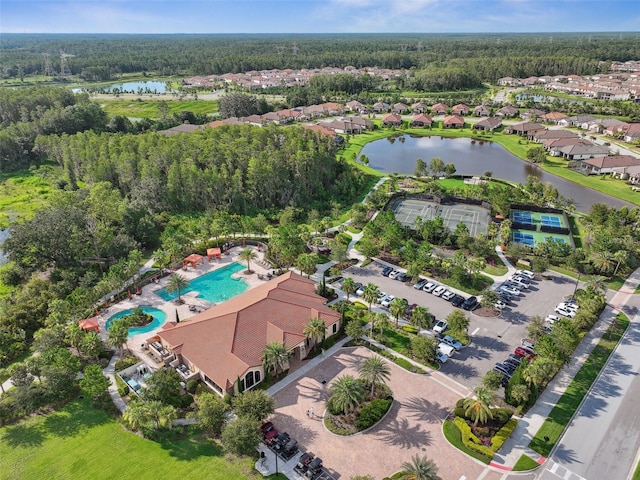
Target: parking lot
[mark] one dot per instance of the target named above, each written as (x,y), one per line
(492,339)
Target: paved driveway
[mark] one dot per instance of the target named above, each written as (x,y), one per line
(412,426)
(492,338)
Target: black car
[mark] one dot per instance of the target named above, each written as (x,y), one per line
(386,271)
(457,300)
(402,277)
(470,303)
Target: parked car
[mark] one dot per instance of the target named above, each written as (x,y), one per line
(441,357)
(402,277)
(421,283)
(447,295)
(394,274)
(359,289)
(269,432)
(565,312)
(528,343)
(386,271)
(381,297)
(551,318)
(569,306)
(526,273)
(510,365)
(457,300)
(525,352)
(448,350)
(439,290)
(409,310)
(452,342)
(386,301)
(500,304)
(470,303)
(517,284)
(515,358)
(502,369)
(512,290)
(440,326)
(429,287)
(520,278)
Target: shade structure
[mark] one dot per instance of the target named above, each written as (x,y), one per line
(214,253)
(89,325)
(194,259)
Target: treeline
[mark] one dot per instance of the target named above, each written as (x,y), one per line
(98,56)
(240,169)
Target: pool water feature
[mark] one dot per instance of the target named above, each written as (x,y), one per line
(159,317)
(214,287)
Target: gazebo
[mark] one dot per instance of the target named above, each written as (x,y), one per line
(89,325)
(214,253)
(194,259)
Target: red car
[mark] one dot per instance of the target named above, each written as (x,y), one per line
(525,352)
(269,432)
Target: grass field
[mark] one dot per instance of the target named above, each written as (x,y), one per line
(149,108)
(568,403)
(80,442)
(525,463)
(22,193)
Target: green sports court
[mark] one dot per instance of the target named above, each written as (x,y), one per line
(534,224)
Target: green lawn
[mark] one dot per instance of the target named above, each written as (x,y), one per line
(525,463)
(636,474)
(452,434)
(149,108)
(80,442)
(497,270)
(561,414)
(395,340)
(23,192)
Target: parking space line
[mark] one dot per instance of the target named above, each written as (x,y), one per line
(475,331)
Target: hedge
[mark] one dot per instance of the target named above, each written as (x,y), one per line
(410,329)
(470,440)
(501,436)
(452,434)
(372,413)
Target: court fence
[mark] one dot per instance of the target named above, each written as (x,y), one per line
(442,200)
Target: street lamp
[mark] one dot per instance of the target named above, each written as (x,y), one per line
(575,289)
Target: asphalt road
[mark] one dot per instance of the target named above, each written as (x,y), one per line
(604,437)
(492,339)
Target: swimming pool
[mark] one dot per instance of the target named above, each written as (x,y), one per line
(216,286)
(159,317)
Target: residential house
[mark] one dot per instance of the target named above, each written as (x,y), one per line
(421,120)
(439,109)
(332,108)
(357,107)
(271,117)
(361,122)
(508,111)
(391,120)
(399,108)
(453,121)
(508,81)
(380,107)
(315,111)
(631,133)
(223,346)
(553,145)
(532,114)
(460,109)
(604,165)
(541,135)
(524,128)
(481,111)
(553,117)
(488,124)
(183,128)
(419,107)
(583,152)
(612,126)
(575,121)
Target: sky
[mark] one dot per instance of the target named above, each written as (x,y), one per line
(317,16)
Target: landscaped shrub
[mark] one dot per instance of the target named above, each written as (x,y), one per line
(410,329)
(460,412)
(501,415)
(192,386)
(501,436)
(186,401)
(470,440)
(123,390)
(372,413)
(333,410)
(460,403)
(125,362)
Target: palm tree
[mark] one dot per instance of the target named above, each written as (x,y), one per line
(74,335)
(398,307)
(349,286)
(275,357)
(596,283)
(604,262)
(346,393)
(136,414)
(316,329)
(370,293)
(159,414)
(420,468)
(420,317)
(118,334)
(478,407)
(177,283)
(374,370)
(621,256)
(306,263)
(539,371)
(247,255)
(91,345)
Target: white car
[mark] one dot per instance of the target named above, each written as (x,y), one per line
(448,295)
(517,284)
(526,273)
(386,301)
(439,290)
(511,290)
(448,350)
(523,280)
(429,287)
(360,291)
(394,274)
(565,312)
(551,318)
(568,306)
(452,342)
(440,326)
(500,304)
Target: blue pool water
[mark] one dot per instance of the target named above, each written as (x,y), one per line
(216,286)
(159,317)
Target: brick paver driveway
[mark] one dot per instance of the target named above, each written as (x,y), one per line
(412,426)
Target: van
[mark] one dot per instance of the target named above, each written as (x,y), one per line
(448,350)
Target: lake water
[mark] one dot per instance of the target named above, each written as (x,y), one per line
(147,86)
(474,157)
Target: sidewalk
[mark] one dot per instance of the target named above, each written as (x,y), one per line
(518,443)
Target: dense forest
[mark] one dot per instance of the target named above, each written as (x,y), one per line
(489,56)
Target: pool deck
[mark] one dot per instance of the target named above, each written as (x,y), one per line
(149,298)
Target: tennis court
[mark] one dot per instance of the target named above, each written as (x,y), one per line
(524,238)
(533,238)
(522,217)
(535,218)
(475,217)
(551,221)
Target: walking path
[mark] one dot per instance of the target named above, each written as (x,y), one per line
(518,443)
